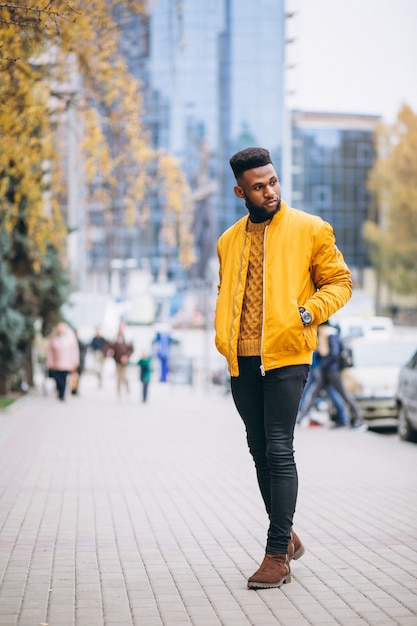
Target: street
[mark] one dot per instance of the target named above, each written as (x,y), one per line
(115,513)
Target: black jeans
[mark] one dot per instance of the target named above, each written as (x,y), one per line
(268,406)
(60,377)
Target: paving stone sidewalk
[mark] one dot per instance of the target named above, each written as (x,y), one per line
(115,513)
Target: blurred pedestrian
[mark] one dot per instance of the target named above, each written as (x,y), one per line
(121,350)
(98,346)
(163,341)
(338,411)
(63,356)
(145,372)
(76,374)
(280,276)
(329,351)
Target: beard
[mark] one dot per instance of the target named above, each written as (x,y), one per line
(258,214)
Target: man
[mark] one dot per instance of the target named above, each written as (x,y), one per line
(281,275)
(339,415)
(99,346)
(121,351)
(330,374)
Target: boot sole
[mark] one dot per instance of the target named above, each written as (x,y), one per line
(255,585)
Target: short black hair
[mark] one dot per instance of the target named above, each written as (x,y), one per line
(248,159)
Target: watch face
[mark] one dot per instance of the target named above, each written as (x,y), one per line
(306,317)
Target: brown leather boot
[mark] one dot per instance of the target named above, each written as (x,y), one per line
(274,572)
(295,547)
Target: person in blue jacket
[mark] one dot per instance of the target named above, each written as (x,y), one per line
(328,350)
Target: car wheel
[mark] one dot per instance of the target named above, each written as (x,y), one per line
(405,431)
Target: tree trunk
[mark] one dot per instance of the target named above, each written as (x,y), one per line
(28,365)
(4,384)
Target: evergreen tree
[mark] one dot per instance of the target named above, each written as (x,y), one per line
(11,321)
(33,295)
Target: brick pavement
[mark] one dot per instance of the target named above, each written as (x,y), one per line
(118,514)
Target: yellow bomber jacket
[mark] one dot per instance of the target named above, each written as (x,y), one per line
(302,268)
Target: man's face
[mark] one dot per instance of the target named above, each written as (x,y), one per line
(260,188)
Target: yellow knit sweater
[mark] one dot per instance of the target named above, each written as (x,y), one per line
(249,343)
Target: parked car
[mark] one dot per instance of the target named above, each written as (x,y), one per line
(373,377)
(407,400)
(376,326)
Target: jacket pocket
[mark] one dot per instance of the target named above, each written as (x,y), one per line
(299,337)
(310,336)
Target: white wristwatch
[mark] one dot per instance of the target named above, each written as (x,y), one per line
(306,316)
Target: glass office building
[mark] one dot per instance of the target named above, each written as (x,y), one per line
(211,74)
(332,155)
(213,85)
(212,80)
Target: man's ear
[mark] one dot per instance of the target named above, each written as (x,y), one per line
(239,191)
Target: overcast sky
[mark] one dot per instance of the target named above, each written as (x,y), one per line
(354,56)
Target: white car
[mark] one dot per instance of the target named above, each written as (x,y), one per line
(373,378)
(376,326)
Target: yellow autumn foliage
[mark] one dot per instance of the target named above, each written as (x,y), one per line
(62,56)
(176,195)
(392,240)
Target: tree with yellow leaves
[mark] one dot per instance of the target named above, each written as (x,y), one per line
(392,234)
(57,56)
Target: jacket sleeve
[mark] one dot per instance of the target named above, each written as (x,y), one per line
(331,276)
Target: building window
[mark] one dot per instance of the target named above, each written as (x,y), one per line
(365,153)
(322,197)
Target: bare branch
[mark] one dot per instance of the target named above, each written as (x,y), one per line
(32,16)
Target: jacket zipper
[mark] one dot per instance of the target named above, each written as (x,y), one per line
(262,368)
(234,303)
